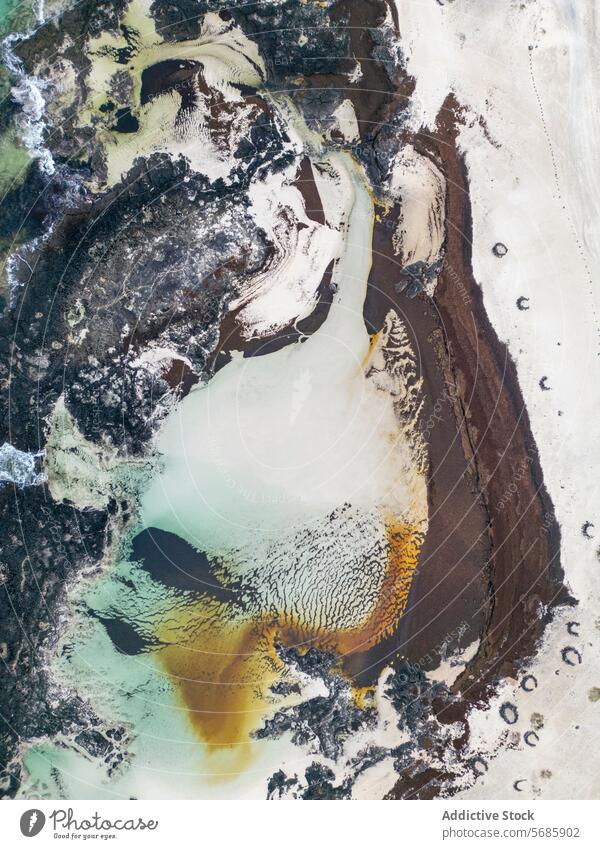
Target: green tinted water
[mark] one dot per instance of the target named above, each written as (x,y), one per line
(15,16)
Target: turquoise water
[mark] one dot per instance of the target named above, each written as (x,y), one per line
(15,16)
(293,471)
(253,464)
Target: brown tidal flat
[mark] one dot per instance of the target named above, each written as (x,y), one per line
(490,566)
(518,540)
(232,338)
(524,568)
(488,571)
(449,588)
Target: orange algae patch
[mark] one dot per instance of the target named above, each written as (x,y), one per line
(224,665)
(373,343)
(363,697)
(404,544)
(222,668)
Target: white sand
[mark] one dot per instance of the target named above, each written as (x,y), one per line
(536,191)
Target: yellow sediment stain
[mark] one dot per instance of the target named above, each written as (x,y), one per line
(373,343)
(384,205)
(404,543)
(363,696)
(223,666)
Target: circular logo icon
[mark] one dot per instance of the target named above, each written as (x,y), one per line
(32,822)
